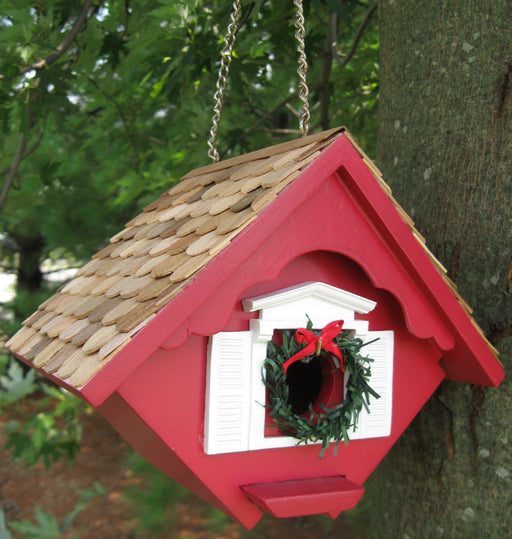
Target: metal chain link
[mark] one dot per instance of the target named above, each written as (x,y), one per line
(302,69)
(225,64)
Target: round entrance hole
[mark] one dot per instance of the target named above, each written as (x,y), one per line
(314,383)
(304,382)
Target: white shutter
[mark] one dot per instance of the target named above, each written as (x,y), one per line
(228,385)
(377,423)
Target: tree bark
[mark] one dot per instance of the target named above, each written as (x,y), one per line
(445,147)
(30,277)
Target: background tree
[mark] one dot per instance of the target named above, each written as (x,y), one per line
(104,104)
(445,146)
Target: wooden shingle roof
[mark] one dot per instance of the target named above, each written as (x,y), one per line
(91,318)
(79,329)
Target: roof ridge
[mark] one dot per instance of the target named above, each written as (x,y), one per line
(264,152)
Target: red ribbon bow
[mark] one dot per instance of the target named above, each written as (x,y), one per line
(315,343)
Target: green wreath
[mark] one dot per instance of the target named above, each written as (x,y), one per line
(328,424)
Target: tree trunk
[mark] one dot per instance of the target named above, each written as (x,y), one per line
(29,277)
(445,147)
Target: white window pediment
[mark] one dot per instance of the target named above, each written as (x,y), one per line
(235,392)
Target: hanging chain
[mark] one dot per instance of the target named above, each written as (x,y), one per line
(300,35)
(225,64)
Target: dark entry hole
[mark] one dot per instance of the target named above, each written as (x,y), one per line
(304,382)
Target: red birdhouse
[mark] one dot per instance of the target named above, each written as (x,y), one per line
(168,330)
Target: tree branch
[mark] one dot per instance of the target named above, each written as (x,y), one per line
(246,16)
(264,118)
(107,494)
(122,115)
(25,155)
(325,73)
(42,64)
(66,42)
(18,157)
(359,34)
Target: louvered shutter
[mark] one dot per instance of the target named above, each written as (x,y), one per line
(227,413)
(377,423)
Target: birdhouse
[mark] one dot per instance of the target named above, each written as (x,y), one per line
(297,249)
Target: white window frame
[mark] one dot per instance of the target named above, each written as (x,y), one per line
(235,393)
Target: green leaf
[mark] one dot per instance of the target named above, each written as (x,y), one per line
(46,526)
(26,53)
(4,532)
(16,384)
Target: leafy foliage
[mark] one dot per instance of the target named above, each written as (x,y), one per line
(21,306)
(50,434)
(46,525)
(124,110)
(155,498)
(4,532)
(16,384)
